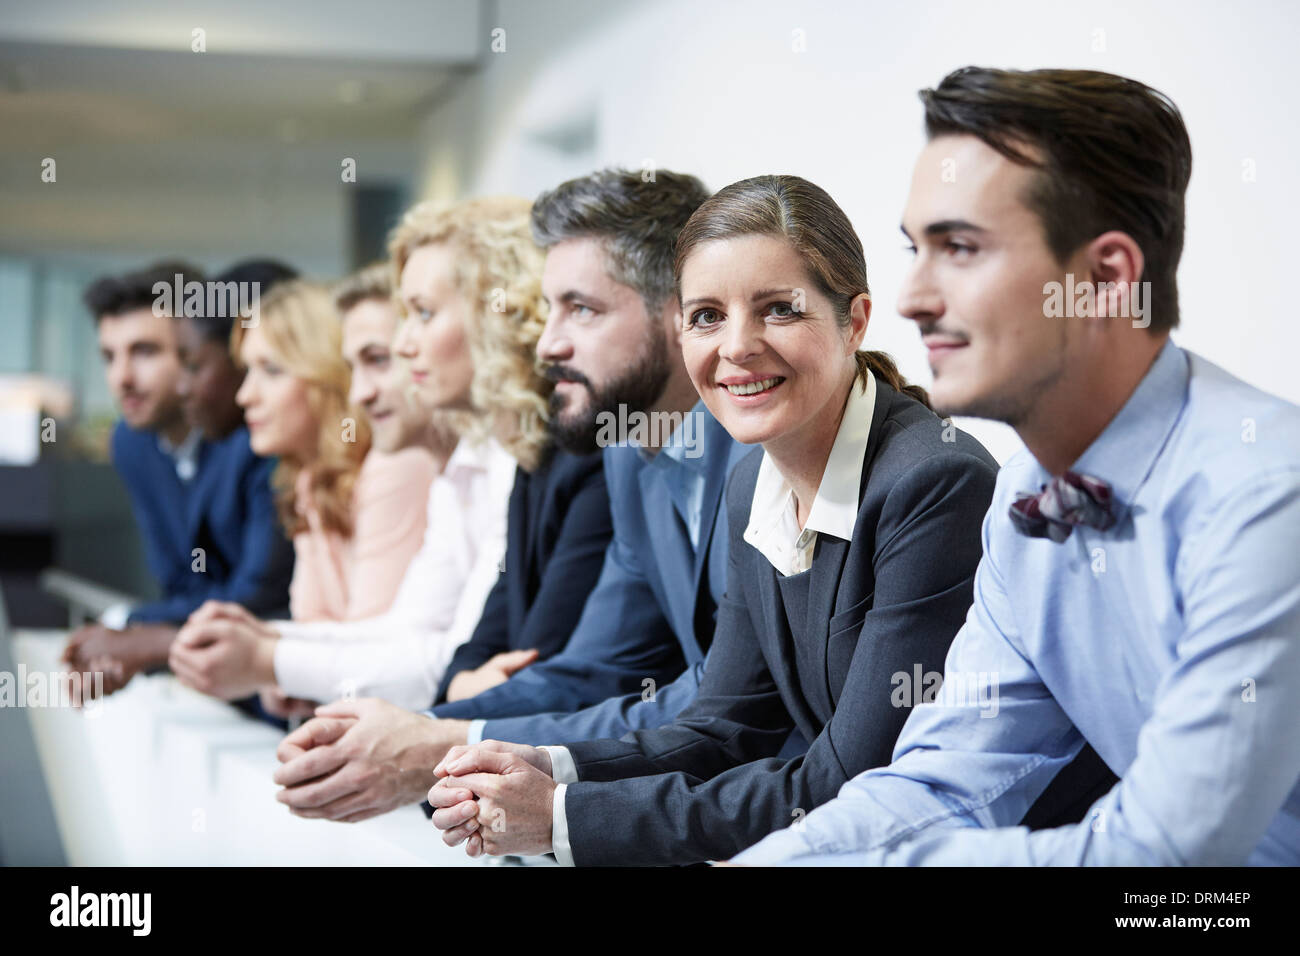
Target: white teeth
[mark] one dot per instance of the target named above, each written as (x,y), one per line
(751,388)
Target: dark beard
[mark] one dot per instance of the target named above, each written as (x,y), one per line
(637,389)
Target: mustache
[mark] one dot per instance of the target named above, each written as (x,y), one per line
(567,373)
(933,328)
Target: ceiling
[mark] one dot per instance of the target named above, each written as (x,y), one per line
(135,118)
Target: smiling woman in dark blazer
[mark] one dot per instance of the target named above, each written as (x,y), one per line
(855,533)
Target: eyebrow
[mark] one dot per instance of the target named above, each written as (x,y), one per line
(756,297)
(570,296)
(945,226)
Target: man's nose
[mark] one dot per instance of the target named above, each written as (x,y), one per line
(119,375)
(554,345)
(919,298)
(363,391)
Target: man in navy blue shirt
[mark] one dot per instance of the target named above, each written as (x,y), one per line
(202,499)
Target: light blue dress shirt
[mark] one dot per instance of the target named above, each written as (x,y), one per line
(682,469)
(1170,643)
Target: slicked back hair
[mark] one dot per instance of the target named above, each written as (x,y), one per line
(1113,154)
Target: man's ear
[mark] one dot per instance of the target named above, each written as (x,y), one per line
(859,318)
(1115,263)
(673,320)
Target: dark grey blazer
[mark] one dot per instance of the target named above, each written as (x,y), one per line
(708,785)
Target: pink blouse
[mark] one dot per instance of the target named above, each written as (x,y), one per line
(342,579)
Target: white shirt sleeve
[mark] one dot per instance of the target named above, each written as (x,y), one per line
(560,830)
(563,771)
(402,654)
(115,616)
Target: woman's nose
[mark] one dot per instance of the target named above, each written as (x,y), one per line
(404,343)
(742,340)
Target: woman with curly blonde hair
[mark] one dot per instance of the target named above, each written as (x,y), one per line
(483,249)
(469,280)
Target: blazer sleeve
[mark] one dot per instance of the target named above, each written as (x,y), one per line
(928,546)
(738,714)
(259,579)
(614,717)
(621,638)
(567,579)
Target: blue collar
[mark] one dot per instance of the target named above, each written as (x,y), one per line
(1127,449)
(702,429)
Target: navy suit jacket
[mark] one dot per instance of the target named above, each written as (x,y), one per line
(557,529)
(651,615)
(227,509)
(710,784)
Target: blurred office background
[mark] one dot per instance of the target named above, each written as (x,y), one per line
(237,150)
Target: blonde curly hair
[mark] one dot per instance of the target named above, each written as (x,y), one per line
(499,271)
(302,328)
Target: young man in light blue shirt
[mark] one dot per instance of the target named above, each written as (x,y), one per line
(1139,589)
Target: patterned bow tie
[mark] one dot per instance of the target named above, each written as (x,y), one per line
(1072,499)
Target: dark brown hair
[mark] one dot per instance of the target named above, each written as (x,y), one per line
(636,214)
(807,217)
(1115,155)
(114,295)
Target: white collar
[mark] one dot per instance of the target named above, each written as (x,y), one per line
(185,455)
(834,510)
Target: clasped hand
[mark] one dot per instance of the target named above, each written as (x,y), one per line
(496,798)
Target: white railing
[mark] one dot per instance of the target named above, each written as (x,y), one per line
(86,600)
(157,774)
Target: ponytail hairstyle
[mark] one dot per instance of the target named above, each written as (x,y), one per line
(805,216)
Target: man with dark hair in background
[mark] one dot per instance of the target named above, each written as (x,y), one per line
(203,501)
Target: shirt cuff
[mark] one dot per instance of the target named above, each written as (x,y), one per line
(560,829)
(300,671)
(775,848)
(475,733)
(563,769)
(115,616)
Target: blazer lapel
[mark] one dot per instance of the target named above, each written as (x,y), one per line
(780,655)
(828,564)
(712,506)
(672,548)
(827,570)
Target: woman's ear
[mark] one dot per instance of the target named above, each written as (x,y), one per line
(859,317)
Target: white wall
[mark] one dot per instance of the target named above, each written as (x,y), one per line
(715,88)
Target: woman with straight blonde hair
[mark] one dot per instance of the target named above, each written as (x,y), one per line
(347,508)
